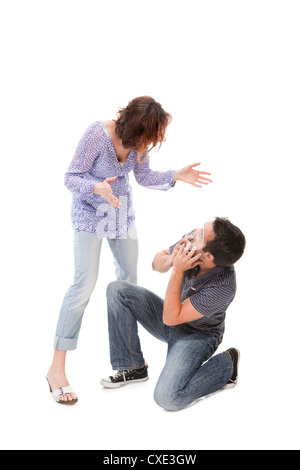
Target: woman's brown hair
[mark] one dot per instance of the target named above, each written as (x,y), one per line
(143,122)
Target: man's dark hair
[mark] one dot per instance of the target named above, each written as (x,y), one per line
(228,245)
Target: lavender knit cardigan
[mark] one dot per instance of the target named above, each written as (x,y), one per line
(94,161)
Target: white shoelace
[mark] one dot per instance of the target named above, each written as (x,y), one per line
(121,373)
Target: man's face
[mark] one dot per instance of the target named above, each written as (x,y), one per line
(199,240)
(201,237)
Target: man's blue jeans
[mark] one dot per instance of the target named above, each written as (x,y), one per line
(190,371)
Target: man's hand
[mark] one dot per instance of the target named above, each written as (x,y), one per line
(163,260)
(184,241)
(185,259)
(175,312)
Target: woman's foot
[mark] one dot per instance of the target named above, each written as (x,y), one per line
(57,379)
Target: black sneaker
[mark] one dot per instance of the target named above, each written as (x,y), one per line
(125,377)
(235,356)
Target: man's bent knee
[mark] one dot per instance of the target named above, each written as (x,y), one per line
(166,400)
(115,287)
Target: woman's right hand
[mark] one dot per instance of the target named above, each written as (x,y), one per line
(104,190)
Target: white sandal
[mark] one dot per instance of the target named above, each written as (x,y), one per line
(56,394)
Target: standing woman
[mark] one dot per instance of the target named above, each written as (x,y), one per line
(102,208)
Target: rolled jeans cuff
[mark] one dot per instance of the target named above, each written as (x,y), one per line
(65,344)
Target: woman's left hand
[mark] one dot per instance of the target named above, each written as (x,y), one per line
(191,176)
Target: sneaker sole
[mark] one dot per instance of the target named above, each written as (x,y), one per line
(106,384)
(234,383)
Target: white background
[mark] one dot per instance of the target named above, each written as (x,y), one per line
(228,72)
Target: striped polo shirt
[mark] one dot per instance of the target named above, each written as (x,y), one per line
(210,293)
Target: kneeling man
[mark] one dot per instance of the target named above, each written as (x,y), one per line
(190,319)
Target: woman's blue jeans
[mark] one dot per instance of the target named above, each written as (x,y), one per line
(190,371)
(87,247)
